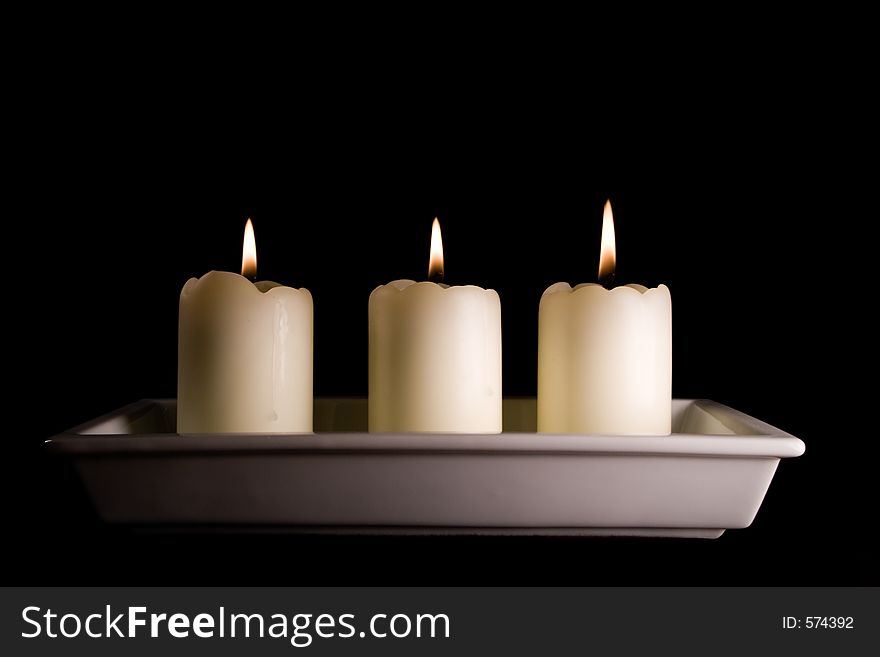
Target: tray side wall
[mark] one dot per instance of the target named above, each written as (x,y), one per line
(442,490)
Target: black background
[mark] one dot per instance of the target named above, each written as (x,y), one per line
(731,186)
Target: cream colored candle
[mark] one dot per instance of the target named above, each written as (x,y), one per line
(605,355)
(245,354)
(435,356)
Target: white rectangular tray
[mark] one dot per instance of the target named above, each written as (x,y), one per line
(711,474)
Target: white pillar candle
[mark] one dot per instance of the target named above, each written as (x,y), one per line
(245,354)
(605,356)
(435,356)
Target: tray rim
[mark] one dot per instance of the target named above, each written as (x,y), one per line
(766,441)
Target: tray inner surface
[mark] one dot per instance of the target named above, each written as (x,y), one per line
(343,415)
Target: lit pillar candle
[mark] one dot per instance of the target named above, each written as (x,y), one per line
(245,353)
(605,355)
(435,355)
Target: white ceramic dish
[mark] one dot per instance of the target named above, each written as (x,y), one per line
(711,474)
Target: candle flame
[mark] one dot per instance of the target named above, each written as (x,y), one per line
(249,252)
(435,263)
(608,250)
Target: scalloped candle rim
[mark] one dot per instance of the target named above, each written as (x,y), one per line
(595,288)
(261,287)
(404,284)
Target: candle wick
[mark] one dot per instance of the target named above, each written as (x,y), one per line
(607,281)
(435,276)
